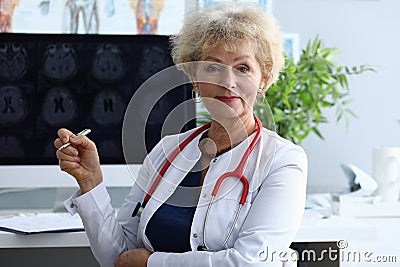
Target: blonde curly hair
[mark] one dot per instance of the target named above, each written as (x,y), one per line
(231,28)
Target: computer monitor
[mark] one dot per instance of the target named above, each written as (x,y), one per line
(49,81)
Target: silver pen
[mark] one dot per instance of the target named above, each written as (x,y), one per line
(84,133)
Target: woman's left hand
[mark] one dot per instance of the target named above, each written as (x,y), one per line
(133,258)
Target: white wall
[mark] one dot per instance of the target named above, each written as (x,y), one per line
(367,32)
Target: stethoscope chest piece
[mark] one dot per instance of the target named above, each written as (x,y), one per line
(202,248)
(138,210)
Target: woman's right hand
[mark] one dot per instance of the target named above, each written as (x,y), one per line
(80,159)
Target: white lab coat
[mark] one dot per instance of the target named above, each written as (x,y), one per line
(268,221)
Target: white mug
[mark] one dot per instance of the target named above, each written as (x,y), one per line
(386,172)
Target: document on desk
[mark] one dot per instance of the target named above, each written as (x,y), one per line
(36,223)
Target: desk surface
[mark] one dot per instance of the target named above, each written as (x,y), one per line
(335,228)
(311,230)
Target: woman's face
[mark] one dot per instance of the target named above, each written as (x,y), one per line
(228,82)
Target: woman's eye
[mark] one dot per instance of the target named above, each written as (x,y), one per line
(213,68)
(243,69)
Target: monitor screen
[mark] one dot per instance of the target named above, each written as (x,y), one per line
(49,81)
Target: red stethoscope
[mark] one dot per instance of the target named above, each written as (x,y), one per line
(237,173)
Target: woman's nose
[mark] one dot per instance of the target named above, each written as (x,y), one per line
(228,78)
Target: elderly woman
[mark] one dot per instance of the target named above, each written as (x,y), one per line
(230,55)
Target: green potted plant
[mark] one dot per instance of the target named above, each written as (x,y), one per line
(304,89)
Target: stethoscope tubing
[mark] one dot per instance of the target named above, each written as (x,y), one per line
(140,206)
(169,160)
(237,173)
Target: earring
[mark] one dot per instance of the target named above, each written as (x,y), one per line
(196,99)
(262,90)
(261,94)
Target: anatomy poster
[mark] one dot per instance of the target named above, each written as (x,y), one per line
(92,16)
(263,3)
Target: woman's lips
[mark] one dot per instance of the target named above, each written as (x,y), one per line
(227,99)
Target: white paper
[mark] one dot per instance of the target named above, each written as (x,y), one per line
(41,222)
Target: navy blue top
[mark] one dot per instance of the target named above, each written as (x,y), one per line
(169,228)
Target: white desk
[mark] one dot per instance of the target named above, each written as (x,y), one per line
(375,235)
(334,229)
(323,230)
(74,239)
